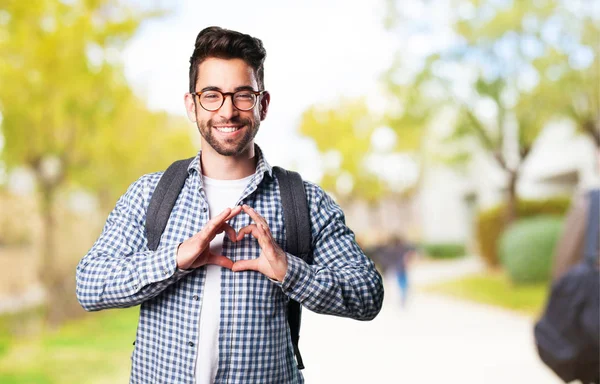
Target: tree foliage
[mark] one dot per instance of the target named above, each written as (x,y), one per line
(346,131)
(343,132)
(509,68)
(68,113)
(64,96)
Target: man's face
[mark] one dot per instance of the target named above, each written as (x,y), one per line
(229,131)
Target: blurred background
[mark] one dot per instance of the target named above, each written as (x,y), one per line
(455,134)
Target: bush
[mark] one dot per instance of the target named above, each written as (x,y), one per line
(444,250)
(527,246)
(490,223)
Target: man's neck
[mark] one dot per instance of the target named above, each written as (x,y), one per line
(221,167)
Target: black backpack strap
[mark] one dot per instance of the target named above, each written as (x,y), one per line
(298,238)
(295,212)
(163,200)
(592,246)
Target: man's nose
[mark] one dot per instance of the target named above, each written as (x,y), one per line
(228,110)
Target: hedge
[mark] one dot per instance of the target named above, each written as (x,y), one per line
(526,248)
(444,250)
(490,223)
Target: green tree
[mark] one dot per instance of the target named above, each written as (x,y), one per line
(68,113)
(368,158)
(136,142)
(343,131)
(527,63)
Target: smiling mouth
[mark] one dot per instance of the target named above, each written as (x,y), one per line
(228,129)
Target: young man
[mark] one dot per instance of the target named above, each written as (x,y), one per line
(214,294)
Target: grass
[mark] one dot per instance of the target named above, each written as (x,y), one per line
(495,288)
(94,349)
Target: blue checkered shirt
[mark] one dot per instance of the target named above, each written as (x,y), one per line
(254,337)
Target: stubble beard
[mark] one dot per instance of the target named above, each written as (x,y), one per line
(229,147)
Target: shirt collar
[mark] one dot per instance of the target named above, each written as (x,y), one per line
(262,166)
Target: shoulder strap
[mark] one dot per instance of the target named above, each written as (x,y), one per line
(592,234)
(295,212)
(163,200)
(298,238)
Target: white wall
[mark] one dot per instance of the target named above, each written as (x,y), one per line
(559,149)
(443,211)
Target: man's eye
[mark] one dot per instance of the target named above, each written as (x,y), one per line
(243,96)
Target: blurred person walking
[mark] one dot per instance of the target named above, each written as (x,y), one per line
(399,254)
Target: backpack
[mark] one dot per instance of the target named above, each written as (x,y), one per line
(295,215)
(567,334)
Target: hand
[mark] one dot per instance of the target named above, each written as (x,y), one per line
(272,261)
(195,251)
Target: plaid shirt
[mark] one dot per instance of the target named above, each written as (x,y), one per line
(254,337)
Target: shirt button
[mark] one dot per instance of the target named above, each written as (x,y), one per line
(203,209)
(166,272)
(190,344)
(196,297)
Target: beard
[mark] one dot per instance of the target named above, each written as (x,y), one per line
(229,147)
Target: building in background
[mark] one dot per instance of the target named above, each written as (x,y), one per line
(561,163)
(444,208)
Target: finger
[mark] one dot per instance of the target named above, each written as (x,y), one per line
(265,233)
(247,230)
(258,232)
(215,223)
(221,216)
(245,265)
(260,228)
(234,212)
(263,236)
(229,231)
(219,260)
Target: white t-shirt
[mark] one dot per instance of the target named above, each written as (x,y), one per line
(221,194)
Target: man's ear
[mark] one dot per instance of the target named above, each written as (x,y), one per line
(265,99)
(190,106)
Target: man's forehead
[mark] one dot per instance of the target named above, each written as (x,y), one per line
(227,71)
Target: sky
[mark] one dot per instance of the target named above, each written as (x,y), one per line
(317,52)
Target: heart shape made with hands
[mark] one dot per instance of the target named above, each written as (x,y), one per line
(195,252)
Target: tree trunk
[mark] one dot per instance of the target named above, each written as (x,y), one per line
(511,212)
(48,272)
(592,129)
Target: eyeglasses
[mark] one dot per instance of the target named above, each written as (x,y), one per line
(243,100)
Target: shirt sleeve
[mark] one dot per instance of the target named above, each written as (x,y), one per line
(342,280)
(119,270)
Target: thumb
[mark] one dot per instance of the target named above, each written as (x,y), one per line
(219,260)
(245,265)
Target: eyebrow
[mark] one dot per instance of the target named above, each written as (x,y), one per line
(240,88)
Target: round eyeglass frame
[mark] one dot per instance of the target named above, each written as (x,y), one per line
(225,94)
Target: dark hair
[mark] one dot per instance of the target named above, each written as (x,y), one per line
(227,44)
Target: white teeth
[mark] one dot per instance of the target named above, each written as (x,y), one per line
(227,129)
